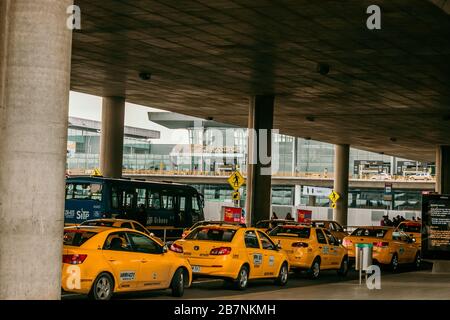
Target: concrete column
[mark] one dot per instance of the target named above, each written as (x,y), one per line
(443,170)
(297,195)
(35,55)
(111,140)
(259,184)
(341,166)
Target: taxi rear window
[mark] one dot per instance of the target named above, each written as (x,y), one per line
(98,223)
(212,234)
(409,228)
(364,232)
(77,237)
(297,232)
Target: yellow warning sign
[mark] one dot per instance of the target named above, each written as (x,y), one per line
(333,205)
(96,173)
(236,180)
(334,196)
(236,196)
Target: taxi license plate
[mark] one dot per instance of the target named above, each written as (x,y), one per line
(195,269)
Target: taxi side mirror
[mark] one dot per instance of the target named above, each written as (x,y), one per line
(279,246)
(165,248)
(413,240)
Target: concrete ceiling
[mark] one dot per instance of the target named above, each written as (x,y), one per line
(388,90)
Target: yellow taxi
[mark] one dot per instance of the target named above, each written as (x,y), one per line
(311,248)
(120,223)
(413,229)
(233,253)
(334,227)
(390,247)
(100,261)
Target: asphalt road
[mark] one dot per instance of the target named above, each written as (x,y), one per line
(215,289)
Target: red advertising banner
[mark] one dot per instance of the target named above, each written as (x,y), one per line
(304,216)
(232,214)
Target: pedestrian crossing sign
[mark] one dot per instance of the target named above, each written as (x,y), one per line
(236,180)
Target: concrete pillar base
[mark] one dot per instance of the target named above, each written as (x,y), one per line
(441,266)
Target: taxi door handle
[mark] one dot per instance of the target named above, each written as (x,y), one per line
(144,261)
(320,247)
(112,260)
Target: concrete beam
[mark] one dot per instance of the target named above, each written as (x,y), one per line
(35,55)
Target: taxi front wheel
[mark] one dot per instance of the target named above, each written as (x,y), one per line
(177,284)
(102,288)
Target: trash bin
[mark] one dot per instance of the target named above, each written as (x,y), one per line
(363,256)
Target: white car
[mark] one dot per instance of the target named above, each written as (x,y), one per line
(421,176)
(381,176)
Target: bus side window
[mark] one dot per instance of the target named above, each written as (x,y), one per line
(141,198)
(69,190)
(114,198)
(182,212)
(195,206)
(154,202)
(168,201)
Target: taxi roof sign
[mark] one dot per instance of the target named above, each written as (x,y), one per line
(96,173)
(236,180)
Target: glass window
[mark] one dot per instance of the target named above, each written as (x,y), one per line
(126,225)
(98,223)
(266,243)
(141,198)
(212,234)
(167,202)
(154,201)
(77,237)
(140,228)
(69,190)
(144,244)
(372,232)
(117,241)
(129,199)
(331,240)
(251,240)
(195,206)
(183,204)
(114,198)
(338,227)
(320,237)
(285,231)
(88,191)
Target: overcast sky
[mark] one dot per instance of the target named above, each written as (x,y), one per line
(90,107)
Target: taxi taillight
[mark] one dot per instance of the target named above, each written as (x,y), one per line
(74,258)
(220,251)
(300,245)
(176,248)
(381,244)
(347,242)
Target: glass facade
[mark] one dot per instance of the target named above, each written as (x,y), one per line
(219,151)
